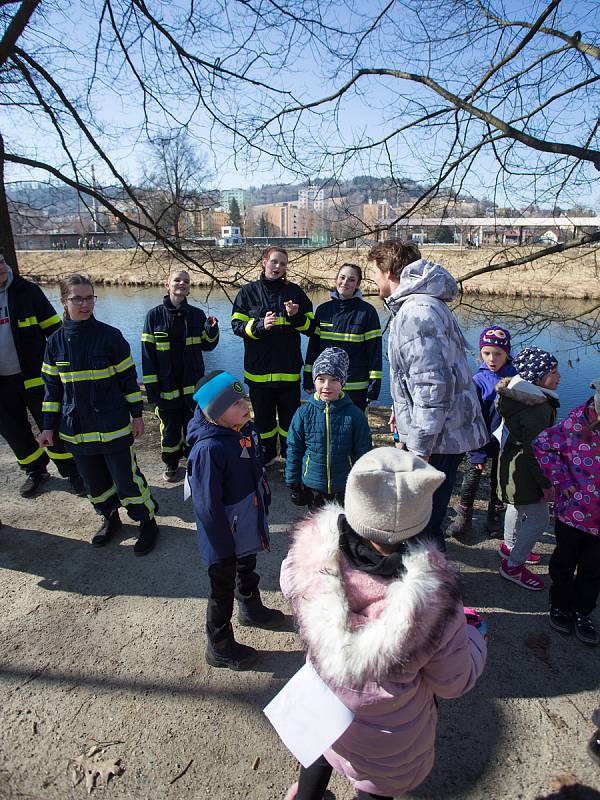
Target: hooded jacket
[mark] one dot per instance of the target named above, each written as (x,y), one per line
(323,442)
(160,362)
(569,456)
(91,387)
(271,356)
(435,403)
(32,321)
(485,381)
(526,410)
(353,325)
(229,488)
(385,646)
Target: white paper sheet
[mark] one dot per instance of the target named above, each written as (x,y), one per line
(187,489)
(501,433)
(308,716)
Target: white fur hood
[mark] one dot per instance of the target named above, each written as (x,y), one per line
(358,627)
(523,391)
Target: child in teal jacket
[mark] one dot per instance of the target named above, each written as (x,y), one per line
(327,435)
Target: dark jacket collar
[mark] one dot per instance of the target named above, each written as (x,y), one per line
(364,558)
(173,309)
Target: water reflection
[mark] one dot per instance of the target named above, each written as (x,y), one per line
(537,321)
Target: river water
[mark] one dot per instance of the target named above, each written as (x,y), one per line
(531,322)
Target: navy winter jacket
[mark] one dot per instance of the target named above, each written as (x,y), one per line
(271,356)
(353,325)
(159,359)
(91,387)
(229,489)
(485,383)
(33,320)
(324,441)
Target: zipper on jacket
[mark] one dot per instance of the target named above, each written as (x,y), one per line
(327,446)
(306,466)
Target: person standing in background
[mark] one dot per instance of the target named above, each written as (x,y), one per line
(94,405)
(174,338)
(269,314)
(349,322)
(27,319)
(436,413)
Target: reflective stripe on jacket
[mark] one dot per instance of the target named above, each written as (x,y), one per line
(353,325)
(271,356)
(91,386)
(157,364)
(32,320)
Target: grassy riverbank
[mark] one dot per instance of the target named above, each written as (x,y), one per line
(575,275)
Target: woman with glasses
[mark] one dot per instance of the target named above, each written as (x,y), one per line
(93,404)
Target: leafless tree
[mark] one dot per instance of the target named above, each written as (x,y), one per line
(174,179)
(460,94)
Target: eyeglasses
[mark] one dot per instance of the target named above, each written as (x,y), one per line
(79,301)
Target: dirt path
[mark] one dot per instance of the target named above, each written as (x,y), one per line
(101,647)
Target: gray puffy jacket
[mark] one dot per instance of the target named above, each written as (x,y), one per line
(435,402)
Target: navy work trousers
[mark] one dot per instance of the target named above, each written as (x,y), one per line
(113,479)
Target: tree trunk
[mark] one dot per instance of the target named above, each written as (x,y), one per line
(7,242)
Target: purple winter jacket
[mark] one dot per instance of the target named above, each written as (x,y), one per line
(385,646)
(569,456)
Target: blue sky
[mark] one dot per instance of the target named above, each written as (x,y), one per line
(369,111)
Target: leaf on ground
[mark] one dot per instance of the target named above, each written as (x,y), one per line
(539,643)
(94,769)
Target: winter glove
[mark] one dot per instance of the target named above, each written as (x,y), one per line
(298,495)
(373,390)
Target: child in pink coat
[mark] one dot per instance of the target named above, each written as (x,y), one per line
(569,456)
(382,622)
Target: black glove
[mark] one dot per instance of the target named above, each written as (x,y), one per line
(298,495)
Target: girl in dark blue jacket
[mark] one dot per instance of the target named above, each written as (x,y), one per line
(494,349)
(327,435)
(350,323)
(175,336)
(231,496)
(93,404)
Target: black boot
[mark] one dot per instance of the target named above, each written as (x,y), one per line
(147,538)
(230,655)
(253,614)
(108,528)
(33,484)
(495,523)
(462,525)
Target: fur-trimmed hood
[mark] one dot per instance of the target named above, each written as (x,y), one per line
(522,391)
(357,627)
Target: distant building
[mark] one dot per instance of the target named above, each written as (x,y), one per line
(282,219)
(231,236)
(311,198)
(207,222)
(241,196)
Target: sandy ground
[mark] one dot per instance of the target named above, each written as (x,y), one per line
(575,274)
(98,647)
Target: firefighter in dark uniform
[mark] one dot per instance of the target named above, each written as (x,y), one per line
(270,314)
(94,405)
(26,320)
(349,322)
(175,334)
